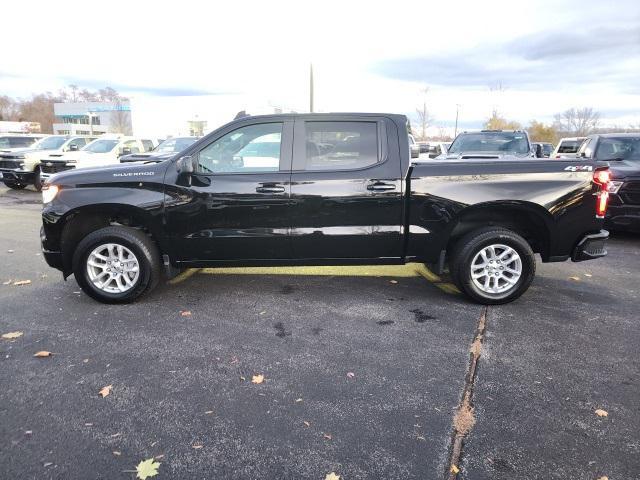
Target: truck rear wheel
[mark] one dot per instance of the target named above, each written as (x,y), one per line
(492,265)
(116,264)
(14,185)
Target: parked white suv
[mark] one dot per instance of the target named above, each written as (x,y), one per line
(106,150)
(22,167)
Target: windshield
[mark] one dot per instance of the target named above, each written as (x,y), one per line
(101,146)
(569,146)
(514,143)
(172,145)
(619,148)
(16,142)
(50,143)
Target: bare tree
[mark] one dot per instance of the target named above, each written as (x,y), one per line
(425,119)
(8,108)
(577,121)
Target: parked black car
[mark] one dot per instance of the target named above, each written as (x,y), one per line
(336,189)
(165,150)
(622,151)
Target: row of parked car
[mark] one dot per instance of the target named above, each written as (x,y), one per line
(31,159)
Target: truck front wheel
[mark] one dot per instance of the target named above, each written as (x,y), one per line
(492,265)
(14,185)
(116,264)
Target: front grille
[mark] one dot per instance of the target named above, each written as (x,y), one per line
(9,164)
(630,193)
(55,167)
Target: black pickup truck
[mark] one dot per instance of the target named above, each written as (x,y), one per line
(322,189)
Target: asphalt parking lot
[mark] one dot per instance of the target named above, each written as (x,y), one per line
(364,369)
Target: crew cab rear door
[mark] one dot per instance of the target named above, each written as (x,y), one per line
(346,188)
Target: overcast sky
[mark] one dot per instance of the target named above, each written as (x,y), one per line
(368,56)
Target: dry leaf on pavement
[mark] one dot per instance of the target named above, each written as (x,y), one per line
(22,282)
(577,279)
(351,374)
(332,476)
(393,281)
(327,436)
(197,446)
(306,424)
(105,391)
(185,313)
(42,353)
(257,379)
(602,413)
(117,453)
(147,468)
(454,469)
(11,335)
(604,477)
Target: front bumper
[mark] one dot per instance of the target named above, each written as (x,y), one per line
(591,246)
(21,176)
(53,258)
(623,217)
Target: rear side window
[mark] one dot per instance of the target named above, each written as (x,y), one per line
(341,145)
(569,146)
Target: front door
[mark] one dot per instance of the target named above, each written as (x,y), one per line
(236,207)
(346,189)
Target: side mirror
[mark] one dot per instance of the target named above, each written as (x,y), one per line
(126,151)
(73,147)
(185,165)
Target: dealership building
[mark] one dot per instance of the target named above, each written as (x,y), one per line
(92,118)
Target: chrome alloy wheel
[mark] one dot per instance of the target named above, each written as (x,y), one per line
(113,268)
(496,269)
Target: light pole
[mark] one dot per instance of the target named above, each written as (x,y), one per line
(311,87)
(455,133)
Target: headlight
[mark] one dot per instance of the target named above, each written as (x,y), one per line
(614,186)
(49,192)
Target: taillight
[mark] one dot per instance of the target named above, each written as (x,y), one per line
(602,179)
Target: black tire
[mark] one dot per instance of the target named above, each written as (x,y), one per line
(135,240)
(14,185)
(37,180)
(470,245)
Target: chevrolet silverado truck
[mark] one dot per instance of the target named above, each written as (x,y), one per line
(341,189)
(622,152)
(22,167)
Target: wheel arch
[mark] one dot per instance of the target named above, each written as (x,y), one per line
(81,221)
(529,220)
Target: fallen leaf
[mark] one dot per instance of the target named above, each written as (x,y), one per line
(332,476)
(393,281)
(577,279)
(209,412)
(589,275)
(454,469)
(11,335)
(28,432)
(262,312)
(298,400)
(351,374)
(147,468)
(257,379)
(86,360)
(327,436)
(117,453)
(197,446)
(22,282)
(159,457)
(185,313)
(105,391)
(242,378)
(42,353)
(601,413)
(306,424)
(47,464)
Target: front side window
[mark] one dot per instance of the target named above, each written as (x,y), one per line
(341,145)
(620,148)
(254,148)
(101,146)
(50,143)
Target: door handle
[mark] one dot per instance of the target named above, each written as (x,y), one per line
(270,189)
(380,187)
